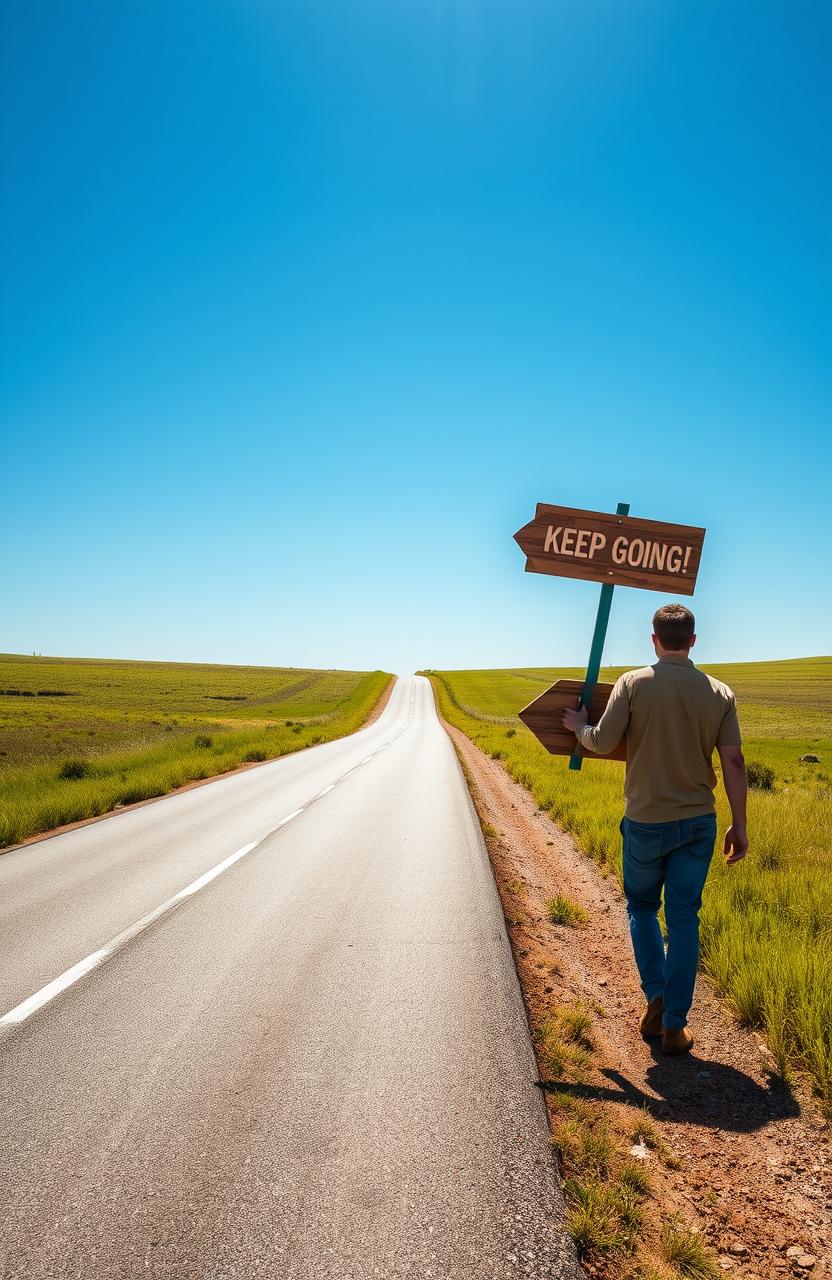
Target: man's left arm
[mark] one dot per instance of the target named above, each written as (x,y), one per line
(604,736)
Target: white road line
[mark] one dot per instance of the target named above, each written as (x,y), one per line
(24,1010)
(289,816)
(54,988)
(213,873)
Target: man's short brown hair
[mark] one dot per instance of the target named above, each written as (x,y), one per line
(674,625)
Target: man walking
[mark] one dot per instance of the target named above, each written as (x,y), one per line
(672,715)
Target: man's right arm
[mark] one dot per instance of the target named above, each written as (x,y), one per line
(736,788)
(605,736)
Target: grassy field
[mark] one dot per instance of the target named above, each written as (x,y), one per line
(767,923)
(79,737)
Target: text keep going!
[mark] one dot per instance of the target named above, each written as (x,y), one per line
(635,553)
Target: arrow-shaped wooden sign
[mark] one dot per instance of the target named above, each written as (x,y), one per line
(620,550)
(543,717)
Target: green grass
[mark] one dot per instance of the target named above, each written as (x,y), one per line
(634,1175)
(766,923)
(604,1189)
(603,1192)
(79,737)
(685,1251)
(561,911)
(566,1040)
(604,1217)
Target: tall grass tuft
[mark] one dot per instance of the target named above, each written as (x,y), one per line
(685,1251)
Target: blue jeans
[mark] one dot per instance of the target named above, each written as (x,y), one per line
(674,856)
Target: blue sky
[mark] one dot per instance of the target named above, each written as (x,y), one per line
(306,305)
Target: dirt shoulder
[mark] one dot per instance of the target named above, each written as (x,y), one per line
(754,1174)
(381,704)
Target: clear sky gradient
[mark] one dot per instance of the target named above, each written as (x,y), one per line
(305,305)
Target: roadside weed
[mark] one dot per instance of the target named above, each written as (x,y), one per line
(561,911)
(685,1251)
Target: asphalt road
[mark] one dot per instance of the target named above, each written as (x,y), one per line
(315,1064)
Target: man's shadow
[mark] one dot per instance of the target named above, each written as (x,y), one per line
(693,1091)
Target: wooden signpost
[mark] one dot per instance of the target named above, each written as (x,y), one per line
(617,551)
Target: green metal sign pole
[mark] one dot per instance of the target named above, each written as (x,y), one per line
(598,636)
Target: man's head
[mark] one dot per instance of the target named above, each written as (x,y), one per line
(673,629)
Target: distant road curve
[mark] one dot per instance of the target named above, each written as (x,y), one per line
(271,1026)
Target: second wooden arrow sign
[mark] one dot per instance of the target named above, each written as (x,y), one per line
(543,717)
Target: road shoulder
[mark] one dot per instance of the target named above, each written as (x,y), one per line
(744,1159)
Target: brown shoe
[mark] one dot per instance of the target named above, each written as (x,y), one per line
(676,1040)
(650,1023)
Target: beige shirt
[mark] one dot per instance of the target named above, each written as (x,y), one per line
(673,715)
